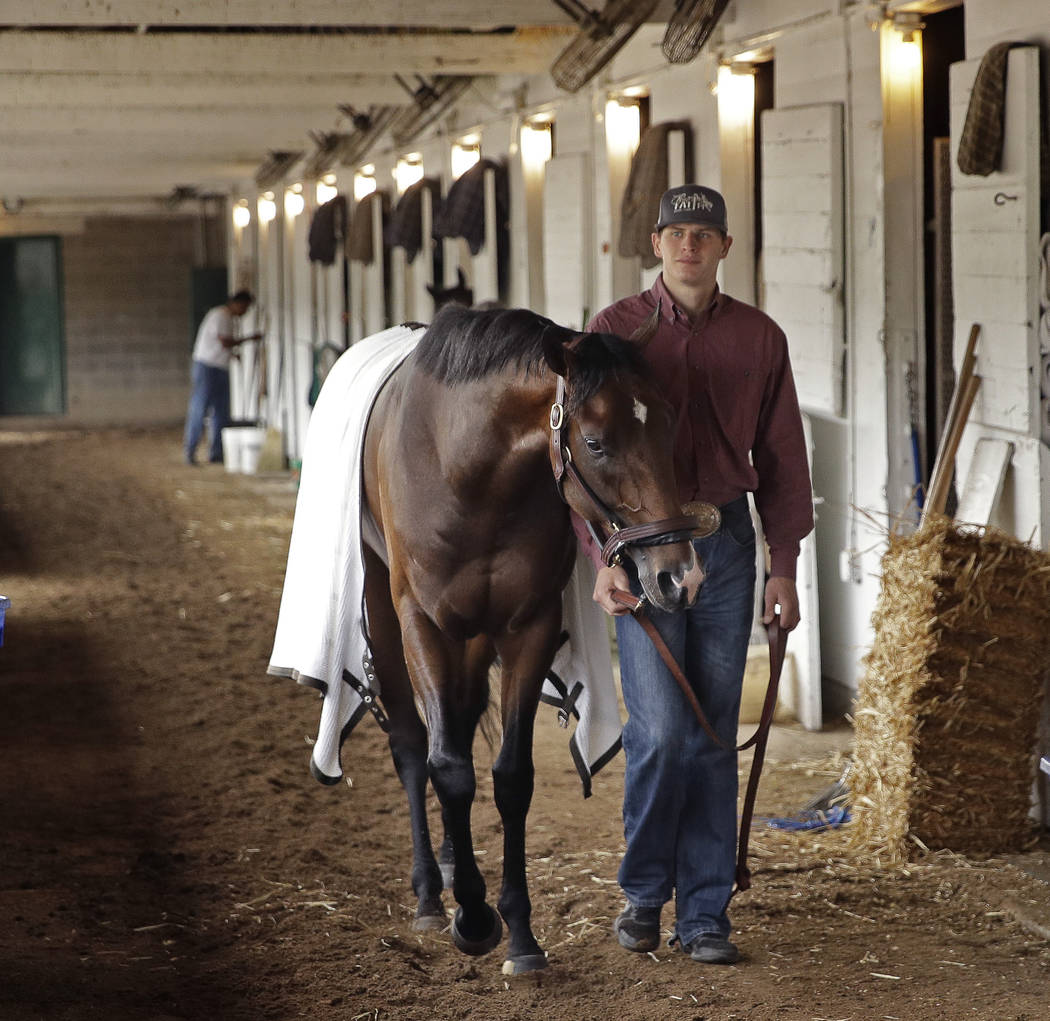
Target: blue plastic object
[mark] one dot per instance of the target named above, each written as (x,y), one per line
(828,819)
(5,603)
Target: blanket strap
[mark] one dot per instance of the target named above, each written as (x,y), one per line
(368,696)
(568,705)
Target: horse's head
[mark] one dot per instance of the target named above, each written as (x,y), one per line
(619,437)
(460,294)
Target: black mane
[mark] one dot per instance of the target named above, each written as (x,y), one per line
(462,345)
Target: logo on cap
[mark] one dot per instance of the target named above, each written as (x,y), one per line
(691,202)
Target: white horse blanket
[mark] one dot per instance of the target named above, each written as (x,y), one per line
(321,637)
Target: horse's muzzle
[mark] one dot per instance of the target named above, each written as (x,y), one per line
(673,587)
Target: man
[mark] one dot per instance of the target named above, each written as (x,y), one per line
(725,370)
(211,375)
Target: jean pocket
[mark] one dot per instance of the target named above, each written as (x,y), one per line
(737,523)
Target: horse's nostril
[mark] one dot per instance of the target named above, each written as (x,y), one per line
(669,586)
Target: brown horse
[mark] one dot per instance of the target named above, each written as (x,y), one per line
(458,477)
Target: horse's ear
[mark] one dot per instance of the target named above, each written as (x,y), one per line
(558,349)
(645,332)
(553,351)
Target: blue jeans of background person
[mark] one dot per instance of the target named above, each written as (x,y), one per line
(211,392)
(680,788)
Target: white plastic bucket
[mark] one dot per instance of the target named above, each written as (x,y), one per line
(241,448)
(231,448)
(252,439)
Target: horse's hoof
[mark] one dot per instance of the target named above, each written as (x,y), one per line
(475,948)
(430,923)
(524,964)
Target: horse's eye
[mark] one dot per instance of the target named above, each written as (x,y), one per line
(593,445)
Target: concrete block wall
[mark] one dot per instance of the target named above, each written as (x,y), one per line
(128,311)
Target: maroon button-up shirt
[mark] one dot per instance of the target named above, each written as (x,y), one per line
(728,378)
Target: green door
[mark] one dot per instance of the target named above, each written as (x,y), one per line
(32,379)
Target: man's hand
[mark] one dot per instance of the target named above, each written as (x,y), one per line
(610,578)
(782,591)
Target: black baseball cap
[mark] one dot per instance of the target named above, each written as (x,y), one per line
(692,203)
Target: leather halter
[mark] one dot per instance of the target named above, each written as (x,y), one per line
(648,533)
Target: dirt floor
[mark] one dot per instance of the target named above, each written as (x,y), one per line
(165,853)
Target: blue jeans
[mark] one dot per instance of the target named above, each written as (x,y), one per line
(680,788)
(211,391)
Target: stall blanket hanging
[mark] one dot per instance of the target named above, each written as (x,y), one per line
(405,229)
(327,230)
(646,182)
(359,241)
(981,143)
(462,214)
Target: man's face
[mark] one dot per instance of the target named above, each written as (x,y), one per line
(691,253)
(239,307)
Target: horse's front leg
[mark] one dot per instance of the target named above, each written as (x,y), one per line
(452,683)
(526,656)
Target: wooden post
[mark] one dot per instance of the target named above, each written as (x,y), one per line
(958,411)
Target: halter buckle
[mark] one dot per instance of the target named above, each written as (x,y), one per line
(557,416)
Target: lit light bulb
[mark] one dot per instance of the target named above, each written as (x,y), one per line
(267,207)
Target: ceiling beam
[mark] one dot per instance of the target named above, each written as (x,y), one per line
(403,13)
(86,156)
(214,90)
(148,179)
(522,52)
(235,126)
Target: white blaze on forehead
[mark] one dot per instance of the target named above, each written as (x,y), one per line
(641,412)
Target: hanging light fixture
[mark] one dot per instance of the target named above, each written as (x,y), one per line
(537,143)
(408,171)
(294,203)
(736,93)
(465,153)
(364,181)
(325,190)
(623,123)
(905,43)
(267,207)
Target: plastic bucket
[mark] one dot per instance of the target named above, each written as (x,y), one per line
(252,440)
(231,448)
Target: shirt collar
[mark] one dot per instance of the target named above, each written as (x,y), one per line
(670,310)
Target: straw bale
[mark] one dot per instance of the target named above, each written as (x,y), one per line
(948,708)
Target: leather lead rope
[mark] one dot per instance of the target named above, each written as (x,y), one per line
(777,649)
